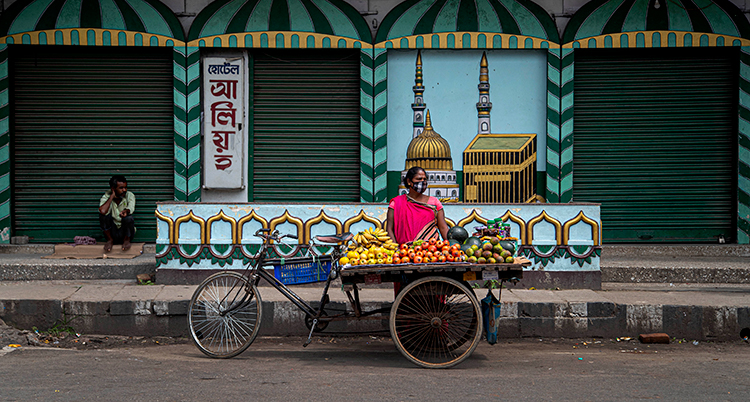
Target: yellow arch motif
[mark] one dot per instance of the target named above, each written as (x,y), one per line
(539,218)
(521,224)
(222,217)
(648,39)
(170,226)
(473,216)
(248,218)
(322,217)
(286,217)
(190,217)
(270,36)
(581,217)
(362,216)
(458,40)
(34,37)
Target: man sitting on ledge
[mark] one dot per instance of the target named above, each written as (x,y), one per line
(116,209)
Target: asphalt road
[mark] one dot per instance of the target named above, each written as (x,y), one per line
(370,369)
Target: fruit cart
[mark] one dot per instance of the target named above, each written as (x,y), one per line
(435,320)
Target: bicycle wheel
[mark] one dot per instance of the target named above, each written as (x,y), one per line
(436,322)
(224,315)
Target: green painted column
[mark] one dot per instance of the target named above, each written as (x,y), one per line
(179,75)
(743,177)
(193,147)
(4,147)
(566,125)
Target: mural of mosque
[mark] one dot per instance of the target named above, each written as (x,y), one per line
(487,182)
(428,149)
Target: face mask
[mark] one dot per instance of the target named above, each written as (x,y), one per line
(420,186)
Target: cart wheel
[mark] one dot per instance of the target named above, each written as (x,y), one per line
(436,322)
(224,315)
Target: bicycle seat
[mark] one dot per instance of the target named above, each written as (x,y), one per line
(337,238)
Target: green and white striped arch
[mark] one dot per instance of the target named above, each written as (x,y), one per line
(90,23)
(676,23)
(289,24)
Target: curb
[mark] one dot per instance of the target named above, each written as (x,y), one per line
(161,311)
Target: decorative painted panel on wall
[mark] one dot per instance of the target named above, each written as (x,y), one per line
(563,237)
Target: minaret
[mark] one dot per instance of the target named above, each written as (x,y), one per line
(418,106)
(484,105)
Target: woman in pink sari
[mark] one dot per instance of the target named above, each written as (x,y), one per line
(414,215)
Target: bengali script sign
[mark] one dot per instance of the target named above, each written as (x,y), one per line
(223,116)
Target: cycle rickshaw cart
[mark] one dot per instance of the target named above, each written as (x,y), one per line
(435,320)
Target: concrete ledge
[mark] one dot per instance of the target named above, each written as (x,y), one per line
(37,248)
(161,310)
(24,267)
(640,274)
(675,250)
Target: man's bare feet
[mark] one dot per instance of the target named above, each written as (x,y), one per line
(108,246)
(126,245)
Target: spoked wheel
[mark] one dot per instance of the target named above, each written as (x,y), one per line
(224,315)
(436,322)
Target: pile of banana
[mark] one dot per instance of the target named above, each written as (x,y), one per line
(372,246)
(373,237)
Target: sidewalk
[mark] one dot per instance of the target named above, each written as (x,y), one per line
(710,309)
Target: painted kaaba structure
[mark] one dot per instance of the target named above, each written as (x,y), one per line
(428,149)
(497,168)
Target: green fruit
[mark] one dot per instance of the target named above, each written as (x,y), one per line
(494,240)
(474,240)
(497,248)
(487,246)
(472,259)
(508,245)
(478,253)
(506,254)
(465,248)
(509,260)
(474,247)
(481,260)
(491,260)
(458,233)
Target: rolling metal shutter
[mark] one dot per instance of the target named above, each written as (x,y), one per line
(305,126)
(655,142)
(81,115)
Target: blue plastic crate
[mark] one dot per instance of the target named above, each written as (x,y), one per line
(298,270)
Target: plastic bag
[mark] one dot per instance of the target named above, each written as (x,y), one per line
(491,316)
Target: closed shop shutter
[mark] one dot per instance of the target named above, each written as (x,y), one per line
(305,126)
(655,142)
(80,115)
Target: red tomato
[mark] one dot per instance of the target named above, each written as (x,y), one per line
(418,248)
(404,246)
(445,249)
(420,254)
(441,258)
(411,255)
(451,258)
(439,244)
(432,241)
(405,260)
(429,254)
(432,248)
(418,260)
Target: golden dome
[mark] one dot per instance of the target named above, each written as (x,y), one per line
(429,150)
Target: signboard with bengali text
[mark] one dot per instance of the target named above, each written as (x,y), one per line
(223,117)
